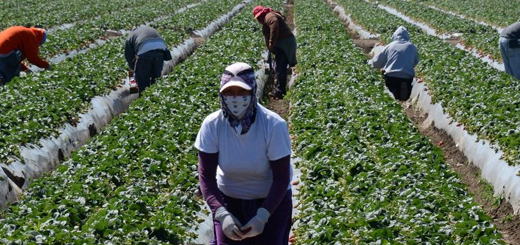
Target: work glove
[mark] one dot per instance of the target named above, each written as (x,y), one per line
(255,226)
(230,224)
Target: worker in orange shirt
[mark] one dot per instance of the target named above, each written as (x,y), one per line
(16,44)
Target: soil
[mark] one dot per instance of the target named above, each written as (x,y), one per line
(281,106)
(497,208)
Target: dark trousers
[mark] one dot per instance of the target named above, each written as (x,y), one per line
(401,88)
(10,66)
(281,71)
(276,230)
(148,68)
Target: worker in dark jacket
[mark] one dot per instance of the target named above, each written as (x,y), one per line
(510,49)
(145,52)
(279,40)
(16,44)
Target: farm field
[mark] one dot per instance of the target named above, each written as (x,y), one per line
(370,173)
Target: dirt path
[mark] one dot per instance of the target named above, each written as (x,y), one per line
(281,107)
(497,208)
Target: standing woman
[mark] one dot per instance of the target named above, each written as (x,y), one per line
(244,165)
(280,41)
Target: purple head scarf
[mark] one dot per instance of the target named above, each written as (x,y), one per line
(242,75)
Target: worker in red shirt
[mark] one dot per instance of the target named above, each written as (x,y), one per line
(16,44)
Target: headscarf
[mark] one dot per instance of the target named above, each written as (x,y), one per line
(244,73)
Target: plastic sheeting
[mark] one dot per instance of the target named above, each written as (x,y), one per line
(179,54)
(45,158)
(9,191)
(481,153)
(350,24)
(205,229)
(261,77)
(430,31)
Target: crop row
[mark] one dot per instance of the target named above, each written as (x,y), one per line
(87,31)
(482,99)
(497,12)
(50,13)
(474,35)
(135,182)
(39,105)
(479,98)
(369,177)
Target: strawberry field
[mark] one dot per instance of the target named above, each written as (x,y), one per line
(84,162)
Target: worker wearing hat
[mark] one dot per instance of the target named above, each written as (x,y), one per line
(280,41)
(244,165)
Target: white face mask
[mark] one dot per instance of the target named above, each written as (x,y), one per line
(237,104)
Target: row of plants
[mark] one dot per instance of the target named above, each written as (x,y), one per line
(50,13)
(135,183)
(472,93)
(369,176)
(87,31)
(38,105)
(474,35)
(497,12)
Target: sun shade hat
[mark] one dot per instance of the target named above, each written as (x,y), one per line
(238,74)
(257,11)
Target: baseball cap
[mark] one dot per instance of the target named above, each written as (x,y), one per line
(257,11)
(238,74)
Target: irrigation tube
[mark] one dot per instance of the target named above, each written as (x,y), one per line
(37,160)
(481,153)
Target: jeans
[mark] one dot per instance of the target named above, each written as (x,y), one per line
(10,66)
(148,68)
(511,58)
